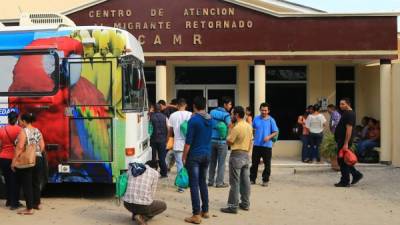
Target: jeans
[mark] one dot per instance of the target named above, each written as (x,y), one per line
(197,170)
(12,187)
(218,157)
(178,160)
(305,150)
(266,154)
(148,211)
(315,142)
(159,149)
(24,177)
(366,145)
(239,179)
(346,170)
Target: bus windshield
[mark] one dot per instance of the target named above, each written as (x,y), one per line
(134,86)
(25,73)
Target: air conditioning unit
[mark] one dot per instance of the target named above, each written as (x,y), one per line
(32,19)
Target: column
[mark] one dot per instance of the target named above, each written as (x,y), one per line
(242,84)
(161,80)
(386,111)
(396,114)
(259,84)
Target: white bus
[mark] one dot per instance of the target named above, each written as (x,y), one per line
(86,87)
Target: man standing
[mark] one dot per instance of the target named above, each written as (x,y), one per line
(138,198)
(335,117)
(221,120)
(239,138)
(344,138)
(158,139)
(168,110)
(175,121)
(196,157)
(265,130)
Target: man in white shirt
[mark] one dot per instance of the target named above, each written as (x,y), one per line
(175,121)
(139,195)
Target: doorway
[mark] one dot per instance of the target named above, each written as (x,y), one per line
(211,82)
(212,93)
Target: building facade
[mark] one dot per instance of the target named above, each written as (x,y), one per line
(254,51)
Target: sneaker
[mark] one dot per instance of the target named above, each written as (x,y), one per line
(210,184)
(243,207)
(163,177)
(180,190)
(196,219)
(252,182)
(264,184)
(342,185)
(205,215)
(224,185)
(357,179)
(229,210)
(140,220)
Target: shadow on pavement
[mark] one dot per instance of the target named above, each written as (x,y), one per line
(81,190)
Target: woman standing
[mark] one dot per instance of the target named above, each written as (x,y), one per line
(29,178)
(8,135)
(304,137)
(315,123)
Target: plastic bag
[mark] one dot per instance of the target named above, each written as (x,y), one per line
(121,185)
(182,179)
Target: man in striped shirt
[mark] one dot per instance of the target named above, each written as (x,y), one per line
(138,198)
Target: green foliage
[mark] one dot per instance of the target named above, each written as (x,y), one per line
(328,148)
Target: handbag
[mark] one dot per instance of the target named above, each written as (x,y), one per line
(182,179)
(27,158)
(348,156)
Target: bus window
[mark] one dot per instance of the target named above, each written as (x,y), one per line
(26,73)
(134,88)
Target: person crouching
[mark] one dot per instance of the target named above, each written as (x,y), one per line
(138,198)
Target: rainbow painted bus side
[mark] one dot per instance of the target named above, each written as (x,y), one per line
(87,88)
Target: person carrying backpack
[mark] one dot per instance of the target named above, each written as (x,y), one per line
(265,131)
(177,121)
(221,120)
(158,139)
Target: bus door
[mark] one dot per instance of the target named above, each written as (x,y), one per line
(90,111)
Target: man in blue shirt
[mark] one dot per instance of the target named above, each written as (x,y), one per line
(219,148)
(196,157)
(265,129)
(335,117)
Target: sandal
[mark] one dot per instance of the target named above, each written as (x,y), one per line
(25,212)
(37,207)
